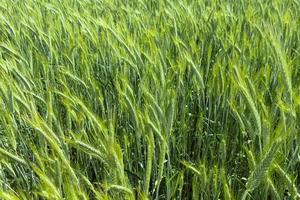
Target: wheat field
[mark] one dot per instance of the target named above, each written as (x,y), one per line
(154,99)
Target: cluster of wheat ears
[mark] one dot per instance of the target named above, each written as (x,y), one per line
(155,99)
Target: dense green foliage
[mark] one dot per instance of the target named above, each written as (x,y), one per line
(156,99)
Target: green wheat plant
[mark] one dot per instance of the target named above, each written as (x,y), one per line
(156,99)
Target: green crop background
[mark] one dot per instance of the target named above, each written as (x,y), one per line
(149,99)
